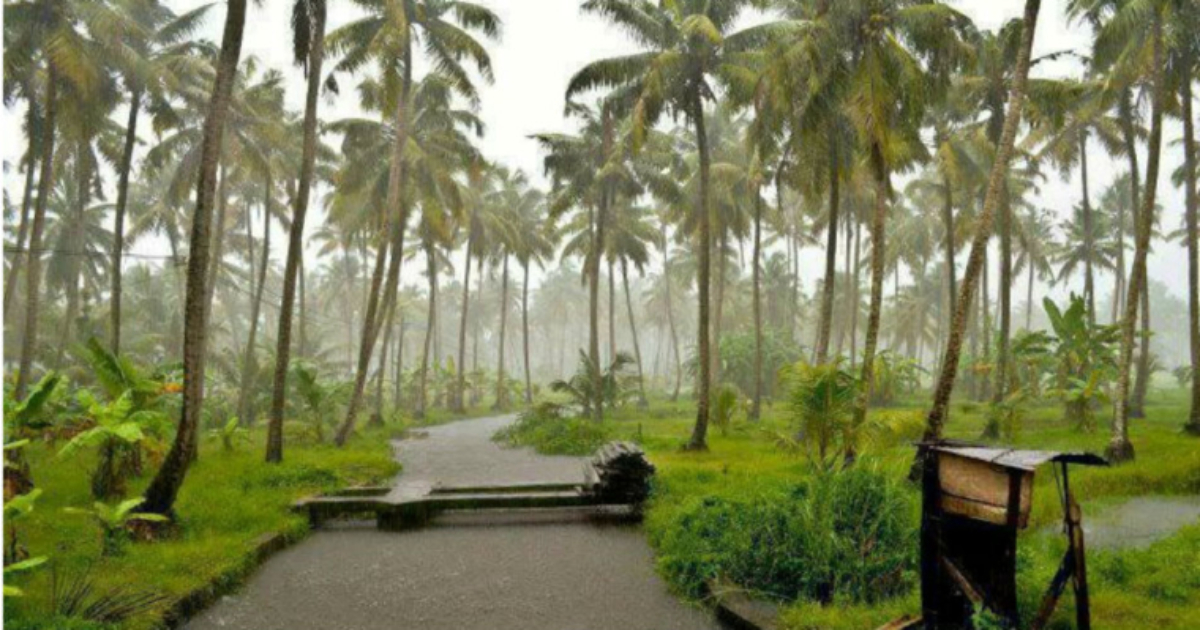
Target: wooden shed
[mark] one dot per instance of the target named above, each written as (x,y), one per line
(975,501)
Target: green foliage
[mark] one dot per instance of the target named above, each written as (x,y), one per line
(16,510)
(893,375)
(230,434)
(737,358)
(114,521)
(16,568)
(551,431)
(615,382)
(726,405)
(849,535)
(821,399)
(32,414)
(1086,358)
(117,431)
(1006,417)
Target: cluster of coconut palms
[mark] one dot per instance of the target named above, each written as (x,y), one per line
(895,134)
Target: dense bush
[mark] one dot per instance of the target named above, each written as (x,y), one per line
(551,431)
(849,536)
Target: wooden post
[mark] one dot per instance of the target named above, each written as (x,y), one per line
(1083,613)
(931,557)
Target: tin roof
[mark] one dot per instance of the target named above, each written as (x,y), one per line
(1013,458)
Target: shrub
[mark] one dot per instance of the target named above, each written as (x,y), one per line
(850,535)
(549,430)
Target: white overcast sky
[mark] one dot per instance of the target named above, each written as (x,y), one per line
(545,41)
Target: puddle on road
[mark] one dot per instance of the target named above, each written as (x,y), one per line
(1138,522)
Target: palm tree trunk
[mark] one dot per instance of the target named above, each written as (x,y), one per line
(855,288)
(1089,278)
(135,102)
(456,401)
(393,231)
(671,315)
(593,270)
(878,260)
(822,349)
(430,328)
(381,371)
(245,408)
(398,371)
(525,332)
(33,278)
(1193,240)
(31,165)
(949,367)
(719,315)
(367,344)
(295,253)
(1141,384)
(160,496)
(1029,300)
(699,439)
(612,304)
(82,181)
(637,349)
(1000,387)
(756,273)
(218,237)
(1119,447)
(501,387)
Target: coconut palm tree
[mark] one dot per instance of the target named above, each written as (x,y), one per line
(684,45)
(1063,137)
(534,242)
(158,48)
(160,495)
(1129,33)
(308,37)
(71,74)
(385,36)
(517,203)
(944,385)
(1036,245)
(1188,70)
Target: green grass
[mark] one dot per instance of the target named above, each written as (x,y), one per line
(228,501)
(1157,587)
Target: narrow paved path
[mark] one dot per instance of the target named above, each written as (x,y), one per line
(503,572)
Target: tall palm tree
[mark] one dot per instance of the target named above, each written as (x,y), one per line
(1126,35)
(684,45)
(1188,71)
(308,37)
(160,495)
(157,49)
(517,204)
(74,69)
(944,385)
(386,37)
(1064,138)
(534,242)
(1036,245)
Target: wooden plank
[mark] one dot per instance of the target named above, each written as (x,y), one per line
(1057,585)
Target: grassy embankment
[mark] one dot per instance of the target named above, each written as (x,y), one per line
(691,523)
(230,500)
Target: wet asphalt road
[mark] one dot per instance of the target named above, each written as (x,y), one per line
(507,571)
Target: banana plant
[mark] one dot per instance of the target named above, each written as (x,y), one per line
(15,509)
(1086,357)
(114,522)
(16,568)
(118,434)
(230,434)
